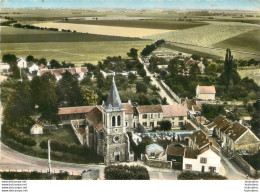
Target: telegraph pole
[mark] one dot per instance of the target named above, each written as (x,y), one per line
(49,155)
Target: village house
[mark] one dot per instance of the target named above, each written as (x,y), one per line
(192,106)
(80,71)
(205,93)
(206,159)
(21,63)
(33,68)
(176,114)
(189,61)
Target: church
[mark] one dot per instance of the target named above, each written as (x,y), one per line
(103,128)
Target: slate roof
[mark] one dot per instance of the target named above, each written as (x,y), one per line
(113,99)
(191,153)
(95,117)
(75,110)
(149,109)
(206,89)
(174,110)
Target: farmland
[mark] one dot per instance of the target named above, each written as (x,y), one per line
(104,30)
(251,73)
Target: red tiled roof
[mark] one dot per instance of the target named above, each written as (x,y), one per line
(149,109)
(174,110)
(75,110)
(128,108)
(95,117)
(206,89)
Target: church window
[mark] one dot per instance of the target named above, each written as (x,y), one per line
(113,121)
(118,120)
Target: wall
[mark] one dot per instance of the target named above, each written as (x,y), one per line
(176,97)
(206,96)
(158,163)
(176,121)
(151,117)
(249,142)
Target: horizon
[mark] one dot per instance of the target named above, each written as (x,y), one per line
(240,5)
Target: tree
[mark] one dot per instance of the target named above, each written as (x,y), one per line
(42,61)
(89,96)
(164,101)
(212,68)
(194,71)
(131,77)
(165,125)
(55,64)
(133,53)
(12,61)
(29,58)
(141,87)
(195,57)
(228,67)
(173,67)
(100,81)
(68,90)
(212,111)
(142,72)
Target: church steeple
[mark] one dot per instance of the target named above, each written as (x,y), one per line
(113,100)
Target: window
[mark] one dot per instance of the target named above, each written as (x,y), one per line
(118,120)
(180,118)
(212,169)
(203,160)
(152,154)
(145,124)
(158,115)
(113,121)
(172,124)
(152,124)
(172,118)
(180,123)
(144,116)
(188,166)
(151,116)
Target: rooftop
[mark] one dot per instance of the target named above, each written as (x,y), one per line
(95,117)
(206,89)
(174,110)
(149,109)
(75,110)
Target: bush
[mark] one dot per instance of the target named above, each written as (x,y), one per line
(165,125)
(124,172)
(19,137)
(199,176)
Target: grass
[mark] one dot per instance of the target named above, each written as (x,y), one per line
(250,74)
(75,52)
(246,42)
(151,24)
(16,35)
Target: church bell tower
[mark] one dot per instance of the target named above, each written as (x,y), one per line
(117,146)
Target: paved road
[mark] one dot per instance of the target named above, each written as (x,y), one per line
(162,92)
(13,160)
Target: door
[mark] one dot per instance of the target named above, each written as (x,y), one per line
(202,168)
(116,157)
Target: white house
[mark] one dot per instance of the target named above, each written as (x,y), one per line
(36,129)
(33,68)
(21,62)
(205,160)
(206,93)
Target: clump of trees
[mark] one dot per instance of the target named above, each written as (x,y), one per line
(212,111)
(124,172)
(150,48)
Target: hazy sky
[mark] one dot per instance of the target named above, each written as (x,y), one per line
(135,4)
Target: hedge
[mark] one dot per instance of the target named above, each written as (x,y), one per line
(124,172)
(20,137)
(199,176)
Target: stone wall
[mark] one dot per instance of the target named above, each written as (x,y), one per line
(158,163)
(249,142)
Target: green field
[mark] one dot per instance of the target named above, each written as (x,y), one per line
(17,35)
(75,52)
(150,24)
(250,73)
(247,42)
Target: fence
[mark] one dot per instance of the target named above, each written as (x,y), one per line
(176,97)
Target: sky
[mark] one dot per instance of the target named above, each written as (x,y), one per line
(135,4)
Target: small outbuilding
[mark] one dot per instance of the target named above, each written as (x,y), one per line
(37,129)
(153,150)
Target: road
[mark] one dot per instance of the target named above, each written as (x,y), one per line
(13,160)
(162,92)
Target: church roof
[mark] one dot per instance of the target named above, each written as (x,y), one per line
(95,117)
(113,99)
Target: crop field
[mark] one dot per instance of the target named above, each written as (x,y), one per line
(251,73)
(104,30)
(17,35)
(144,23)
(247,42)
(206,35)
(75,52)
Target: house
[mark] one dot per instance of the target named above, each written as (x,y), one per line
(192,106)
(205,93)
(5,69)
(220,123)
(80,71)
(149,116)
(154,150)
(176,114)
(21,63)
(37,129)
(189,61)
(200,160)
(33,68)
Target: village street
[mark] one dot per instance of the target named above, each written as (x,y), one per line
(162,92)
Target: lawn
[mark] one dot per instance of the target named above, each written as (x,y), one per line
(246,42)
(75,52)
